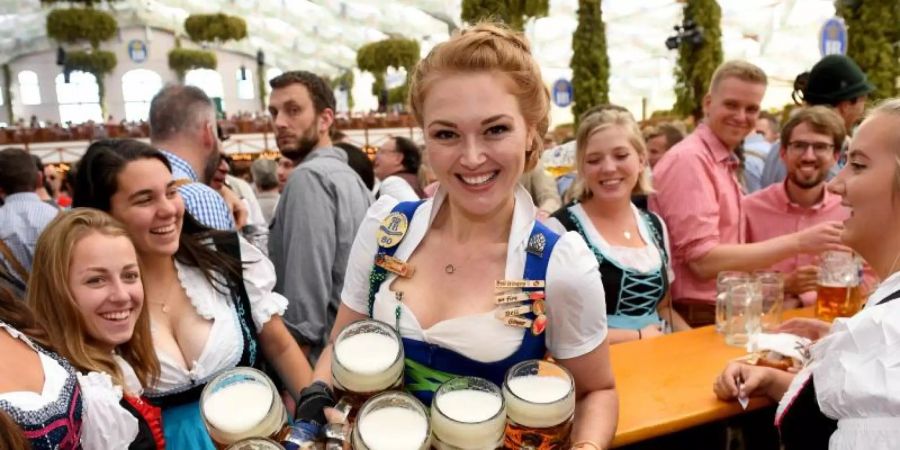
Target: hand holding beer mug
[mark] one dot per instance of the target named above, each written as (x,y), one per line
(838,293)
(368,359)
(241,403)
(468,413)
(540,405)
(392,421)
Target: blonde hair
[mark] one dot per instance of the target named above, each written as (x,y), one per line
(891,107)
(739,69)
(51,299)
(599,121)
(490,47)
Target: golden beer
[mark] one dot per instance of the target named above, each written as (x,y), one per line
(557,171)
(368,359)
(540,406)
(837,301)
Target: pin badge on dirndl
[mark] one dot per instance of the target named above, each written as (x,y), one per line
(392,230)
(536,245)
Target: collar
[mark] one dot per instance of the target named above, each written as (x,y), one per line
(181,165)
(781,194)
(326,152)
(22,197)
(715,146)
(524,213)
(887,287)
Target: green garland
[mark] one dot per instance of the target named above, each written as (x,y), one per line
(590,63)
(7,93)
(97,62)
(873,29)
(696,64)
(376,57)
(215,27)
(514,13)
(181,60)
(72,25)
(261,85)
(346,79)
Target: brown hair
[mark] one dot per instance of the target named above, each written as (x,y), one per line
(600,121)
(51,299)
(12,437)
(490,47)
(672,133)
(15,313)
(821,119)
(739,69)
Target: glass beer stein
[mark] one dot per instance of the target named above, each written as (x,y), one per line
(392,421)
(838,291)
(540,405)
(241,403)
(468,413)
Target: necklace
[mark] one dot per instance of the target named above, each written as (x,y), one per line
(164,304)
(627,235)
(449,269)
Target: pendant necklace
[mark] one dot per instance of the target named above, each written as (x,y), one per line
(627,235)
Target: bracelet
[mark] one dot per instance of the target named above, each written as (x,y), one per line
(591,444)
(639,334)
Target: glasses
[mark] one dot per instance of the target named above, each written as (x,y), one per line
(819,148)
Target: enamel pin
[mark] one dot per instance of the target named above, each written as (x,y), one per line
(394,265)
(392,230)
(536,245)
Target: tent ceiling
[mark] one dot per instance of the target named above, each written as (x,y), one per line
(323,35)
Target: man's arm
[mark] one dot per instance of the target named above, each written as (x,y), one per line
(305,239)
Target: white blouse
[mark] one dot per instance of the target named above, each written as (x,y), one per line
(576,309)
(225,342)
(105,424)
(641,259)
(857,375)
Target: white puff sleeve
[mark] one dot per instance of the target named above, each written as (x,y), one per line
(576,302)
(259,280)
(355,293)
(106,424)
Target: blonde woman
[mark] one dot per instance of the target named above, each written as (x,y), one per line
(631,245)
(483,106)
(86,291)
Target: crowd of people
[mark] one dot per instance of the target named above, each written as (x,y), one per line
(168,270)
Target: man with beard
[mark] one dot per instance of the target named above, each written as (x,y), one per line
(319,211)
(810,144)
(699,197)
(183,127)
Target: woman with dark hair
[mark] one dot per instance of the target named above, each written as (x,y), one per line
(209,293)
(396,166)
(39,391)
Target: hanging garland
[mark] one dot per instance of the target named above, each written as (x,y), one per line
(181,60)
(215,27)
(97,62)
(7,93)
(72,25)
(345,82)
(393,52)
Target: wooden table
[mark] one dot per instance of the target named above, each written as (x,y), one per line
(665,384)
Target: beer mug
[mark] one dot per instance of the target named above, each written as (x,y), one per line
(241,403)
(540,405)
(838,290)
(392,421)
(468,413)
(743,308)
(771,289)
(724,280)
(368,359)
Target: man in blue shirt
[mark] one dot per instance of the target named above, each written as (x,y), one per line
(22,218)
(183,127)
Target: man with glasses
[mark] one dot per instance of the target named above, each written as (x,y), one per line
(810,145)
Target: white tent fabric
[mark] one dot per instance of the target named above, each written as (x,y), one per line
(781,36)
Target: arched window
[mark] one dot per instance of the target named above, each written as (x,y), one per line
(245,88)
(79,99)
(208,80)
(138,88)
(29,88)
(271,72)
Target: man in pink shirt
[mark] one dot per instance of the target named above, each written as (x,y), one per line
(811,142)
(699,197)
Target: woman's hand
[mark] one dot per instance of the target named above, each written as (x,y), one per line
(813,329)
(651,331)
(742,380)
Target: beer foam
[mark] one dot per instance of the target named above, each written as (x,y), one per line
(393,428)
(470,427)
(539,401)
(363,360)
(239,407)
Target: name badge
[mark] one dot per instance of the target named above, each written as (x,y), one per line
(512,284)
(504,299)
(394,265)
